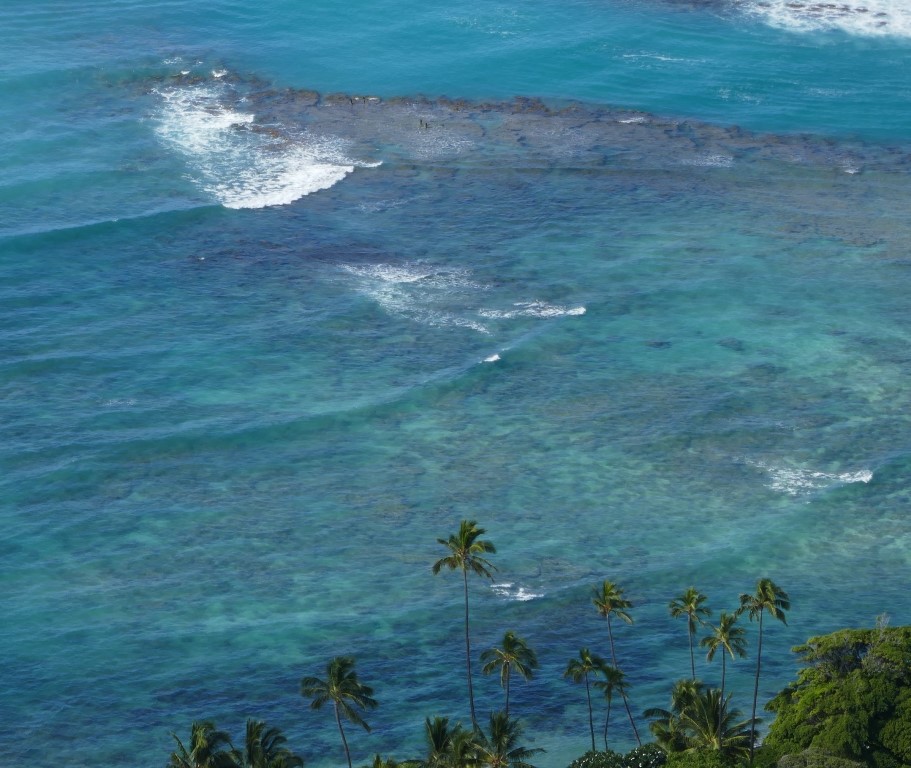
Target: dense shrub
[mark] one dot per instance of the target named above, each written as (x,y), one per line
(699,758)
(853,701)
(646,756)
(813,759)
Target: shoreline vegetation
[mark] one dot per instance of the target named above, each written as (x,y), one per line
(850,706)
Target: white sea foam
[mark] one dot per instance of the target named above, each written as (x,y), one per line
(492,358)
(512,592)
(798,481)
(858,17)
(239,164)
(421,292)
(631,120)
(532,309)
(710,161)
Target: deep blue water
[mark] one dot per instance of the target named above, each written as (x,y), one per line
(261,345)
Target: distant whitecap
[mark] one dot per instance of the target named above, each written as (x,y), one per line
(492,358)
(511,592)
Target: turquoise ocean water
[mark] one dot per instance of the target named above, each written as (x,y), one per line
(624,280)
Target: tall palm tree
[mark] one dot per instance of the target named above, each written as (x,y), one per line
(265,748)
(514,654)
(466,550)
(346,693)
(771,598)
(700,720)
(690,604)
(208,748)
(500,747)
(609,601)
(612,683)
(578,670)
(728,638)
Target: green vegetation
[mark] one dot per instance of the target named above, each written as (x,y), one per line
(850,707)
(852,701)
(264,747)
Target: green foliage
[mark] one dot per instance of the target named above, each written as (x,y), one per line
(813,759)
(852,700)
(699,758)
(608,759)
(646,756)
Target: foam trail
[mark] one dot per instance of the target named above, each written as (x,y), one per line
(797,481)
(239,164)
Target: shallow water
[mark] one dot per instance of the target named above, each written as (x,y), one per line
(262,345)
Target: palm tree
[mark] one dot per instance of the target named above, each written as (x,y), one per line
(209,748)
(667,727)
(690,604)
(700,721)
(609,601)
(578,671)
(465,554)
(514,654)
(726,637)
(768,597)
(500,749)
(345,691)
(265,748)
(446,747)
(613,682)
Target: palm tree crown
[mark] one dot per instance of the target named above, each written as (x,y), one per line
(344,690)
(466,550)
(500,747)
(265,748)
(690,604)
(513,655)
(208,748)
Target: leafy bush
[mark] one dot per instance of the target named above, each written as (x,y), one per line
(646,756)
(813,759)
(608,759)
(852,701)
(698,758)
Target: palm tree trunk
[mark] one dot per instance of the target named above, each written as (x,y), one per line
(507,689)
(613,655)
(591,718)
(474,720)
(692,657)
(606,721)
(756,689)
(721,701)
(341,730)
(631,721)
